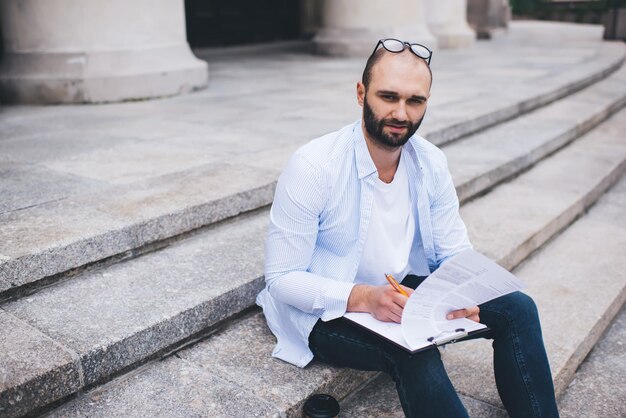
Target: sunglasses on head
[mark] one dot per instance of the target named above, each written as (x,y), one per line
(397,46)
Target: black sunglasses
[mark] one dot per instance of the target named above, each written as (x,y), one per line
(397,46)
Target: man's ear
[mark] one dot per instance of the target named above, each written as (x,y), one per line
(360,93)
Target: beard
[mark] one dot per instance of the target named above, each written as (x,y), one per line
(375,128)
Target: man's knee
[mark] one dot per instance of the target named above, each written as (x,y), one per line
(522,306)
(514,308)
(423,372)
(427,362)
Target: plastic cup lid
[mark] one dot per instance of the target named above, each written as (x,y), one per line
(321,406)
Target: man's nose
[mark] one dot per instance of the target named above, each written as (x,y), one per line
(399,113)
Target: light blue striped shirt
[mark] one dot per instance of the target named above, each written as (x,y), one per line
(318,228)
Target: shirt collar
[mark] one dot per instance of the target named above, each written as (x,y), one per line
(364,163)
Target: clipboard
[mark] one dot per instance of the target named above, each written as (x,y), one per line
(465,279)
(392,336)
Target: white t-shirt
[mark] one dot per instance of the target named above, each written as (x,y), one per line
(390,233)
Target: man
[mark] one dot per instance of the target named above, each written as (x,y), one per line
(375,198)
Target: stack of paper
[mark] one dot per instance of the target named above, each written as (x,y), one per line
(467,279)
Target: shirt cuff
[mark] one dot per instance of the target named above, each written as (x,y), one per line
(336,299)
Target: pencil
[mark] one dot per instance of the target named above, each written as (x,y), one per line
(395,284)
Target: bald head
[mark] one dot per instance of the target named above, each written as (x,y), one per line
(406,57)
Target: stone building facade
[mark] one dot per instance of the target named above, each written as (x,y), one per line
(89,51)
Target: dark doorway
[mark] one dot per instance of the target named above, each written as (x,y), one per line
(239,22)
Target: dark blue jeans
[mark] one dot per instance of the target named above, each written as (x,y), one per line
(521,366)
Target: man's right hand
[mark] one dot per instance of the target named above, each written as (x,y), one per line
(383,302)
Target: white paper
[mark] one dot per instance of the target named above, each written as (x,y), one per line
(389,330)
(467,279)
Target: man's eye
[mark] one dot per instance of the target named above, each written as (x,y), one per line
(388,97)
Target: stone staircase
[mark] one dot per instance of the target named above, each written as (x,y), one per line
(578,282)
(143,303)
(125,219)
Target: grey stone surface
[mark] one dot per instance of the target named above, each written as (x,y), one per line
(598,386)
(240,120)
(35,148)
(34,370)
(31,122)
(79,230)
(547,198)
(242,354)
(578,283)
(379,399)
(161,208)
(486,158)
(42,240)
(23,186)
(117,316)
(129,163)
(541,86)
(170,388)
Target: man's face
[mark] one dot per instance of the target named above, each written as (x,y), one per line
(395,102)
(389,132)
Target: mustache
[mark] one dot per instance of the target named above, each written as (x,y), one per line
(396,122)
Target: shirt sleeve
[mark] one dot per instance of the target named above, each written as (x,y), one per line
(292,234)
(449,231)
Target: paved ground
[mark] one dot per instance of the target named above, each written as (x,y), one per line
(257,109)
(599,385)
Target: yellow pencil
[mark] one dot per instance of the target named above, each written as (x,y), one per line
(395,284)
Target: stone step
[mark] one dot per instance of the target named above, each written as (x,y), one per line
(548,197)
(508,101)
(578,281)
(112,318)
(378,398)
(55,237)
(579,285)
(480,161)
(571,180)
(597,389)
(40,243)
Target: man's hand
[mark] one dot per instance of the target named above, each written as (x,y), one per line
(469,313)
(383,302)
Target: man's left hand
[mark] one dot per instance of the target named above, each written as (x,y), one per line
(469,313)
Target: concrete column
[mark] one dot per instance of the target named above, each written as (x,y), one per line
(486,15)
(86,51)
(352,27)
(310,16)
(614,21)
(447,20)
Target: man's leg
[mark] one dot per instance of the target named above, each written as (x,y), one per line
(421,380)
(521,365)
(520,362)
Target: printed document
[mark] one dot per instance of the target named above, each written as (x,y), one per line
(467,279)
